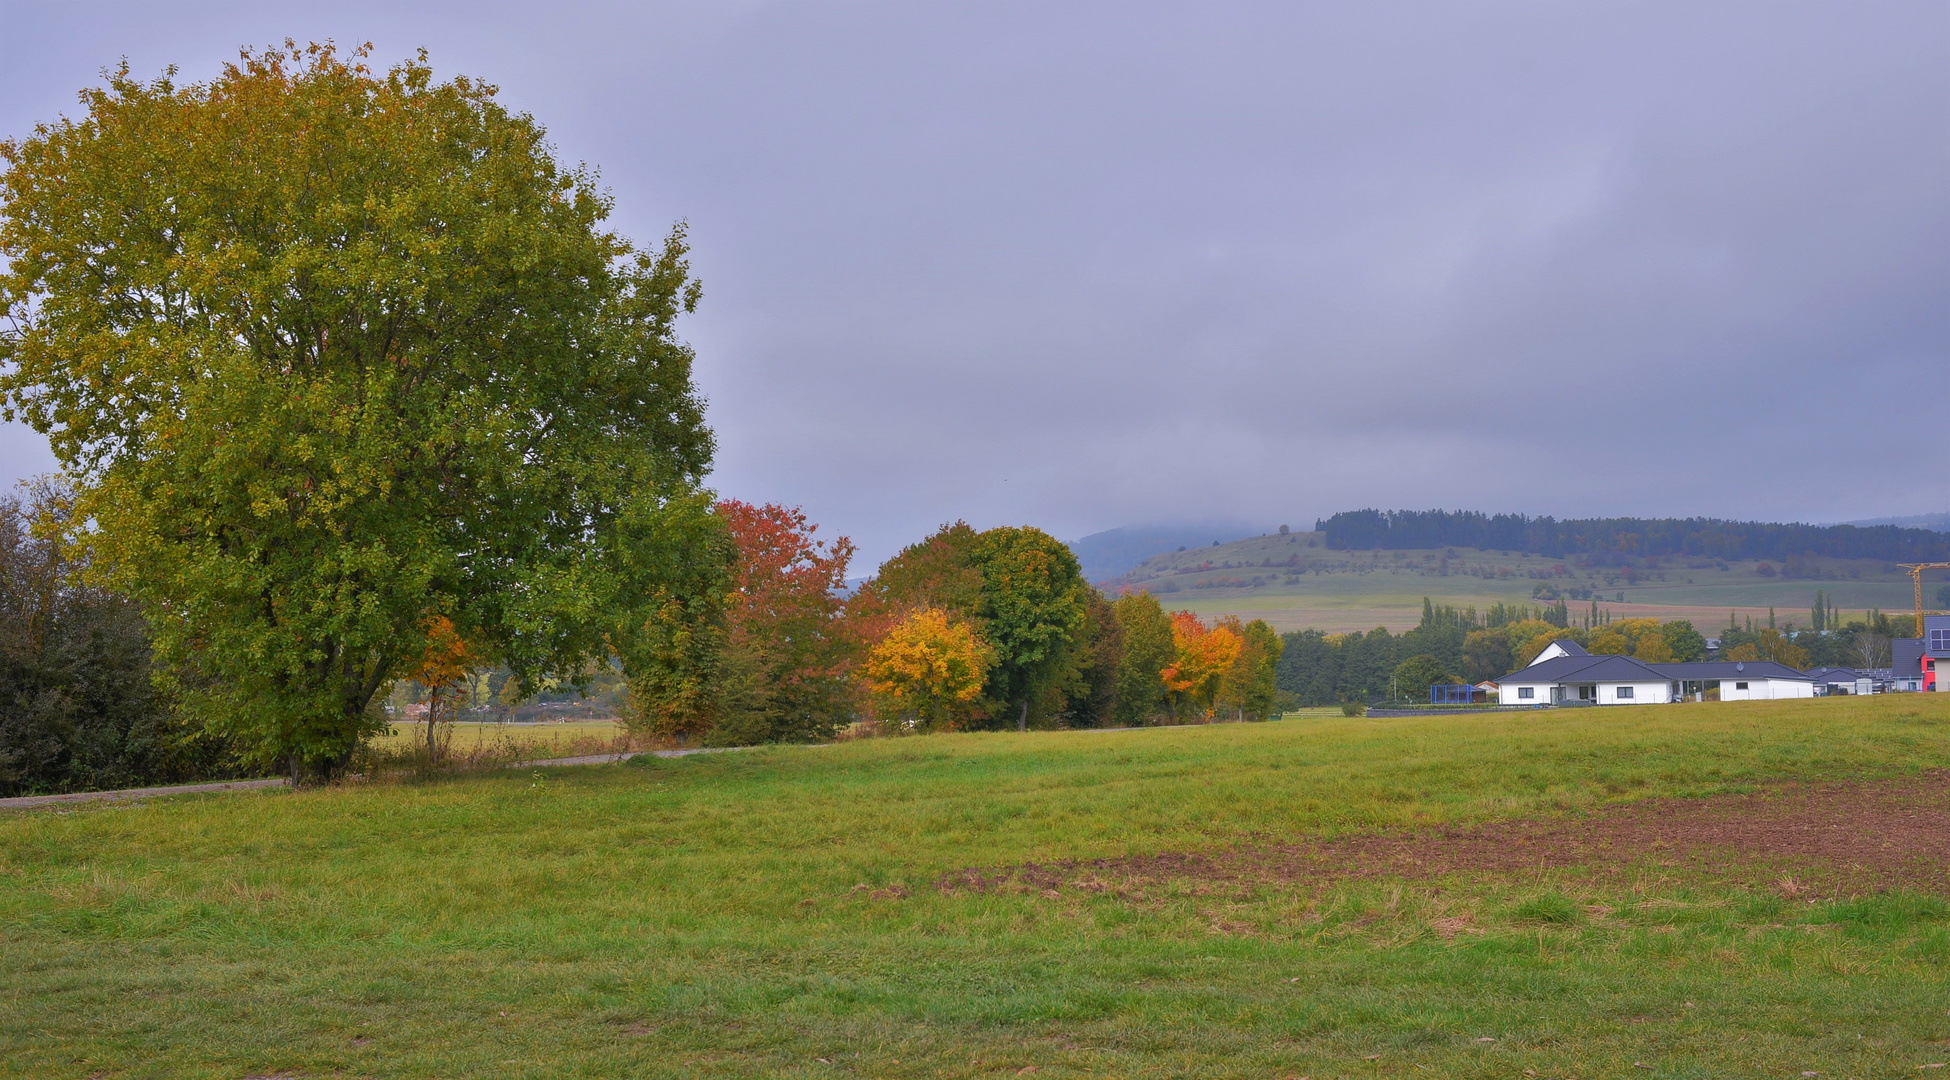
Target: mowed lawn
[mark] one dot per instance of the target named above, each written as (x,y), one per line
(781,912)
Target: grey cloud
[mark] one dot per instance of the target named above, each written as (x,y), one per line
(1087,265)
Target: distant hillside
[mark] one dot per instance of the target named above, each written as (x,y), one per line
(1627,538)
(1116,552)
(1932,522)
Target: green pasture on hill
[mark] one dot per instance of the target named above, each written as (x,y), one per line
(1340,591)
(775,912)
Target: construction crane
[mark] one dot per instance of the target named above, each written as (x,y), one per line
(1916,575)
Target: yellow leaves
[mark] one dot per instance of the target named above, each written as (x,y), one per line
(927,664)
(446,659)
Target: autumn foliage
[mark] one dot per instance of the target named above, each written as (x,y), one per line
(788,650)
(1203,656)
(927,671)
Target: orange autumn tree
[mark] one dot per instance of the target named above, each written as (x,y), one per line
(928,670)
(444,664)
(787,648)
(1201,658)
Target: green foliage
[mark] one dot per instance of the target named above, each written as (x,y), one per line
(1251,688)
(329,354)
(78,710)
(1090,694)
(1032,611)
(1687,644)
(1415,675)
(1487,654)
(1147,648)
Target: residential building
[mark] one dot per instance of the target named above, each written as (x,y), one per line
(1560,647)
(1936,648)
(1620,680)
(1583,679)
(1909,669)
(1835,681)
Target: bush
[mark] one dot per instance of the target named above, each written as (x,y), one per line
(1353,708)
(78,710)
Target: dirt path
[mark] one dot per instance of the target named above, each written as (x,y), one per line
(26,802)
(1854,837)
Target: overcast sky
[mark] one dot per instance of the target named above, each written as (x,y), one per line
(1084,266)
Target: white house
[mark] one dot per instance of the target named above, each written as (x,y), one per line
(1577,678)
(1560,647)
(1591,680)
(1737,680)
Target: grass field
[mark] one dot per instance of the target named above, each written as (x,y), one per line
(541,738)
(1340,591)
(798,912)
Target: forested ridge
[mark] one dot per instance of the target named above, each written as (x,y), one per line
(1364,530)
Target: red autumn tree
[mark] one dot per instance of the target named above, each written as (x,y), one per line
(788,649)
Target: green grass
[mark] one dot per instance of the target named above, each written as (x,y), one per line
(750,914)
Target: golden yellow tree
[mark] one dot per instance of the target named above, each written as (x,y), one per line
(928,670)
(1652,649)
(1609,644)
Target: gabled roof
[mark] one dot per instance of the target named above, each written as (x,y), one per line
(1833,674)
(1586,668)
(1566,647)
(1906,657)
(1731,669)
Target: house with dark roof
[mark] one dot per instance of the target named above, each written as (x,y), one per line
(1837,681)
(1560,647)
(1620,680)
(1908,669)
(1936,649)
(1583,679)
(1736,680)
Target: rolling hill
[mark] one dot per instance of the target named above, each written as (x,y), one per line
(1296,582)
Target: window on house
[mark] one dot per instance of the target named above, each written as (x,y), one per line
(1526,692)
(1739,686)
(1624,693)
(1939,639)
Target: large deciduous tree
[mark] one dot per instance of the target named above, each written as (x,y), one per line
(1148,650)
(330,353)
(1033,612)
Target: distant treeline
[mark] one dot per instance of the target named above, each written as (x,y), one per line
(1364,530)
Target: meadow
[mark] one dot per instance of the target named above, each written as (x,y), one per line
(1208,902)
(1342,591)
(468,737)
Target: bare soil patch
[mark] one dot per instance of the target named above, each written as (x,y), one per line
(1839,838)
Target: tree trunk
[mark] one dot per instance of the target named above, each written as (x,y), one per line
(1022,721)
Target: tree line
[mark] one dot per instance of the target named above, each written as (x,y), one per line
(1365,530)
(1453,646)
(963,630)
